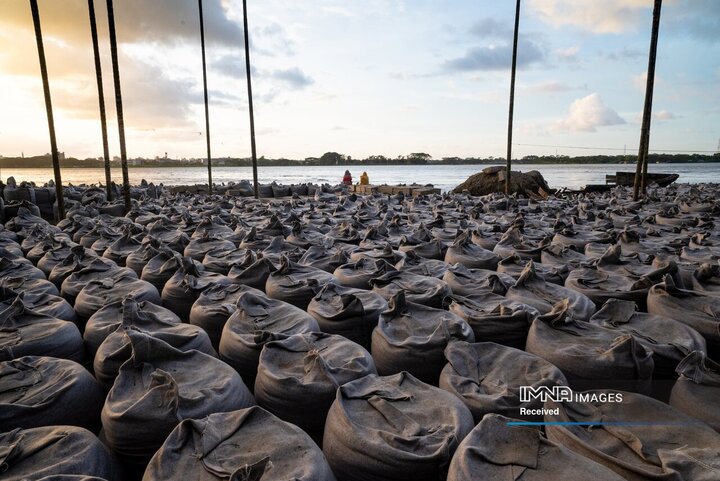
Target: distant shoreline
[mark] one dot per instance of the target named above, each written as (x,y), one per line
(195,166)
(333,159)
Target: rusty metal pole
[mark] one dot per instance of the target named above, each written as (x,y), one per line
(118,104)
(101,98)
(205,90)
(513,68)
(640,183)
(48,110)
(250,100)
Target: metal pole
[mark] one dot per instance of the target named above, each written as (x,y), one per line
(205,89)
(512,99)
(118,104)
(101,98)
(642,165)
(250,100)
(49,110)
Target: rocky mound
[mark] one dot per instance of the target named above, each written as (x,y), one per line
(492,179)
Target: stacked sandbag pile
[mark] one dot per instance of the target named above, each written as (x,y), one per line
(595,290)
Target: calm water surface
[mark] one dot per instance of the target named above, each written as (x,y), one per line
(445,177)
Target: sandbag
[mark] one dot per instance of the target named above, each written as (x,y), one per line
(298,377)
(351,313)
(514,265)
(697,389)
(601,286)
(47,391)
(78,258)
(386,253)
(432,249)
(645,446)
(214,306)
(162,267)
(428,291)
(23,333)
(694,308)
(139,258)
(359,273)
(95,270)
(158,387)
(221,260)
(669,340)
(467,282)
(296,284)
(116,349)
(98,293)
(185,286)
(258,320)
(465,252)
(252,271)
(198,247)
(414,264)
(590,356)
(55,453)
(487,378)
(9,268)
(119,250)
(707,278)
(393,428)
(514,243)
(324,259)
(412,337)
(497,451)
(19,285)
(494,318)
(535,292)
(128,311)
(225,446)
(39,303)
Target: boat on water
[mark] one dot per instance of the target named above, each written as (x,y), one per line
(627,179)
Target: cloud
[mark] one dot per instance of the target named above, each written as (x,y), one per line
(491,28)
(660,116)
(294,77)
(568,55)
(626,54)
(552,86)
(496,57)
(664,115)
(161,21)
(607,16)
(639,81)
(587,114)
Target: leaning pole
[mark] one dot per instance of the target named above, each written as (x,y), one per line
(101,97)
(640,183)
(205,90)
(513,68)
(49,110)
(250,100)
(118,104)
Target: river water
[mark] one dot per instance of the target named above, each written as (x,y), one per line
(445,177)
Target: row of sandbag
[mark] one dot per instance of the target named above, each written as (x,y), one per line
(398,428)
(301,287)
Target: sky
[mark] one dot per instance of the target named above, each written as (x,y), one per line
(373,77)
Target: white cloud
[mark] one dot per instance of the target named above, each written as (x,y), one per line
(664,115)
(588,113)
(639,81)
(607,16)
(569,54)
(659,116)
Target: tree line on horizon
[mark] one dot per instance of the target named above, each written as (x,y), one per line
(334,158)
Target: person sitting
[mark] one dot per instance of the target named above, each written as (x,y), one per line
(347,179)
(364,179)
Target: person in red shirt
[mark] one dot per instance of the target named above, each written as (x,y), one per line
(347,178)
